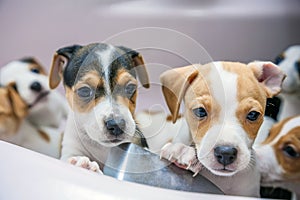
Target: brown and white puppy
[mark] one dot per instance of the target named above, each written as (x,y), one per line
(224,108)
(279,156)
(45,107)
(100,81)
(14,128)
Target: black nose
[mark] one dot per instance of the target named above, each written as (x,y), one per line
(225,154)
(115,126)
(36,86)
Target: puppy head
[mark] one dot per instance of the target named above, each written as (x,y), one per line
(30,81)
(279,154)
(224,107)
(12,111)
(289,62)
(101,87)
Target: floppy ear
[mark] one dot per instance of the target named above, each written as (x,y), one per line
(175,82)
(59,62)
(141,70)
(269,75)
(20,108)
(140,66)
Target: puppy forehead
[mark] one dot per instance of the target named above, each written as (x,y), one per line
(284,129)
(103,58)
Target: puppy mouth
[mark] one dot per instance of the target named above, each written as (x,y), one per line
(40,97)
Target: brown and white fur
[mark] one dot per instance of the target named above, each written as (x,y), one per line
(14,128)
(45,107)
(100,81)
(279,156)
(224,108)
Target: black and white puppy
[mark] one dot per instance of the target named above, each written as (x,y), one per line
(100,81)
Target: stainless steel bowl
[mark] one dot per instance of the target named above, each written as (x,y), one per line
(132,163)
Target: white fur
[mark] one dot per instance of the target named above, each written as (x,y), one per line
(159,132)
(51,110)
(28,137)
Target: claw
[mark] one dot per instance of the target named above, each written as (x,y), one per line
(195,174)
(170,157)
(189,165)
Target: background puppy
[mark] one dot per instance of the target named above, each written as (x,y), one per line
(101,88)
(14,128)
(279,156)
(224,108)
(45,107)
(289,62)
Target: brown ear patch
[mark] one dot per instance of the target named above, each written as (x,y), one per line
(291,165)
(44,135)
(275,130)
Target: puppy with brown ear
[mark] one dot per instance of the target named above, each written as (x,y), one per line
(16,129)
(224,109)
(100,81)
(279,156)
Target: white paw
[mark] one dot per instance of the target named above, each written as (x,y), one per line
(181,155)
(84,162)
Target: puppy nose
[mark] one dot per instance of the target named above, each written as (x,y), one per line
(115,126)
(36,86)
(225,154)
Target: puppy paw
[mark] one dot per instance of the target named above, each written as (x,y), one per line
(182,156)
(84,162)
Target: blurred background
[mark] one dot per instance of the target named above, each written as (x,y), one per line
(186,31)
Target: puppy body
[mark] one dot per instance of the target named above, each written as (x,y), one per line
(224,107)
(289,62)
(279,156)
(100,81)
(14,128)
(45,107)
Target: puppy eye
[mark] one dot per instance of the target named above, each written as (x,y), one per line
(84,92)
(200,112)
(253,115)
(130,89)
(279,59)
(34,70)
(290,151)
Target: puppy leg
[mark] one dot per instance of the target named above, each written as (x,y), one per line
(182,155)
(84,162)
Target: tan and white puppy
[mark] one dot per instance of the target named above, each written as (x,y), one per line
(224,108)
(289,63)
(14,128)
(279,156)
(45,107)
(100,81)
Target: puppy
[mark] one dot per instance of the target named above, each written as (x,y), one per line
(289,62)
(45,107)
(101,88)
(279,156)
(14,127)
(224,108)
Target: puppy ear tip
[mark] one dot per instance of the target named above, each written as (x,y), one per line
(147,85)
